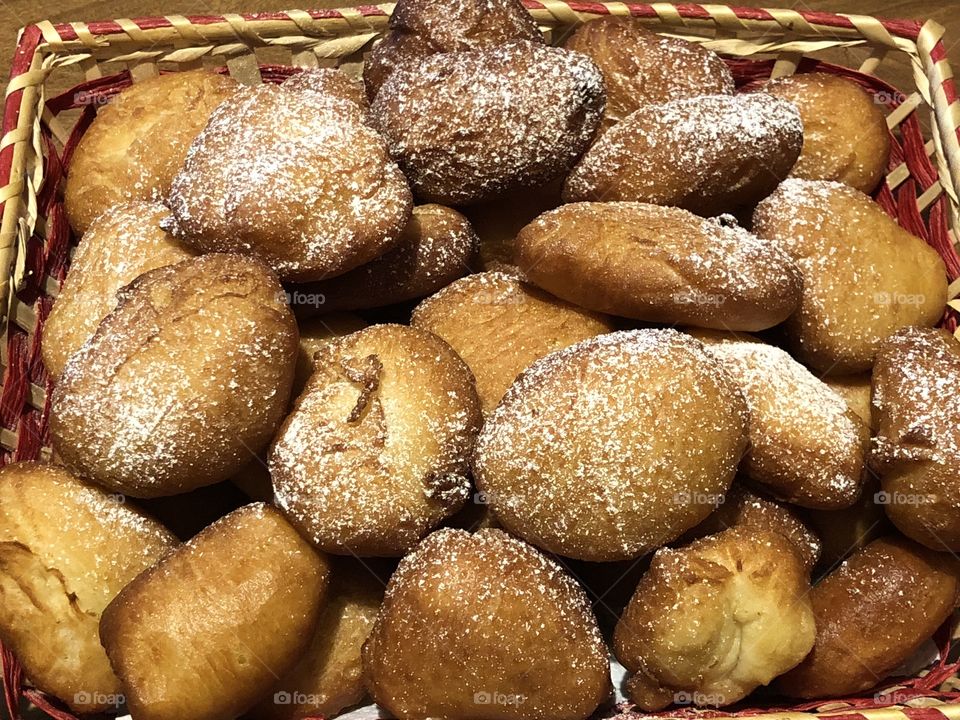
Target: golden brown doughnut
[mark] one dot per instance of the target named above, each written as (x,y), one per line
(712,621)
(845,135)
(66,549)
(864,277)
(710,155)
(420,28)
(296,179)
(138,142)
(659,264)
(806,446)
(614,446)
(204,633)
(485,627)
(328,81)
(917,449)
(742,507)
(376,451)
(642,68)
(314,334)
(872,613)
(468,126)
(500,324)
(120,245)
(183,382)
(436,247)
(328,677)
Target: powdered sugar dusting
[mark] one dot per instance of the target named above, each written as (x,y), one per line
(296,179)
(466,126)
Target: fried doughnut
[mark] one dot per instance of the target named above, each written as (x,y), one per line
(659,264)
(716,619)
(120,245)
(742,507)
(806,446)
(467,126)
(855,390)
(314,334)
(642,68)
(66,549)
(295,179)
(328,81)
(710,155)
(138,142)
(182,383)
(420,28)
(864,277)
(872,613)
(845,135)
(485,627)
(437,247)
(203,633)
(498,221)
(614,446)
(916,451)
(499,325)
(376,451)
(327,678)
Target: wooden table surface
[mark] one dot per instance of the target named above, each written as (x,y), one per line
(16,13)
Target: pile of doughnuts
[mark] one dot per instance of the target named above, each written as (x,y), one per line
(375,389)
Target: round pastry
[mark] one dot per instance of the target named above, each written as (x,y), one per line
(205,632)
(742,507)
(498,221)
(614,446)
(66,549)
(328,677)
(864,277)
(420,28)
(659,264)
(437,247)
(642,68)
(328,81)
(710,155)
(138,142)
(855,390)
(467,126)
(182,383)
(806,446)
(916,451)
(376,451)
(499,325)
(485,627)
(713,621)
(314,334)
(296,179)
(872,613)
(120,245)
(845,135)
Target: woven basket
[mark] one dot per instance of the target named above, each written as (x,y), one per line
(62,72)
